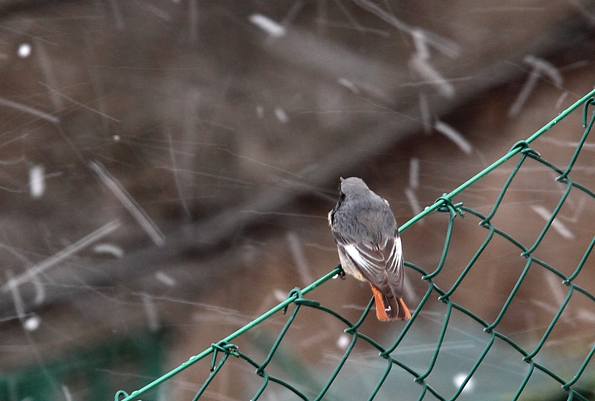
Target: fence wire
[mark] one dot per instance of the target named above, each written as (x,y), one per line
(492,340)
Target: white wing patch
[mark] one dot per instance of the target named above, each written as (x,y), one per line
(395,257)
(357,257)
(397,249)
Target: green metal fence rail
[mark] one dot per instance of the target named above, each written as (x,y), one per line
(535,367)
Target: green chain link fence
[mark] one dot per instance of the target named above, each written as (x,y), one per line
(489,342)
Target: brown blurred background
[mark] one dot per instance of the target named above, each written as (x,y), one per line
(166,167)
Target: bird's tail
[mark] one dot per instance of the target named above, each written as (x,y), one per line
(389,308)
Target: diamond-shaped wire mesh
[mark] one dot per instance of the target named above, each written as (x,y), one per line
(491,362)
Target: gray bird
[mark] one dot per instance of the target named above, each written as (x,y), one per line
(369,246)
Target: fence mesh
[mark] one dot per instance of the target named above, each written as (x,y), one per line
(526,365)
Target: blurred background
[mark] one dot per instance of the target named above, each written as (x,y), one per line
(166,167)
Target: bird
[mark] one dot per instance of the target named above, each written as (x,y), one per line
(369,246)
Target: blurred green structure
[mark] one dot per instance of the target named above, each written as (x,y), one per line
(86,372)
(489,343)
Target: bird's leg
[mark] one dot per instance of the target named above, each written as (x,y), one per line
(341,273)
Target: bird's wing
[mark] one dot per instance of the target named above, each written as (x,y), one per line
(381,264)
(394,265)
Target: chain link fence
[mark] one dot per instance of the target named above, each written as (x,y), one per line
(523,369)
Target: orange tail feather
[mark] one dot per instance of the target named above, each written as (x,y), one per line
(388,309)
(404,313)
